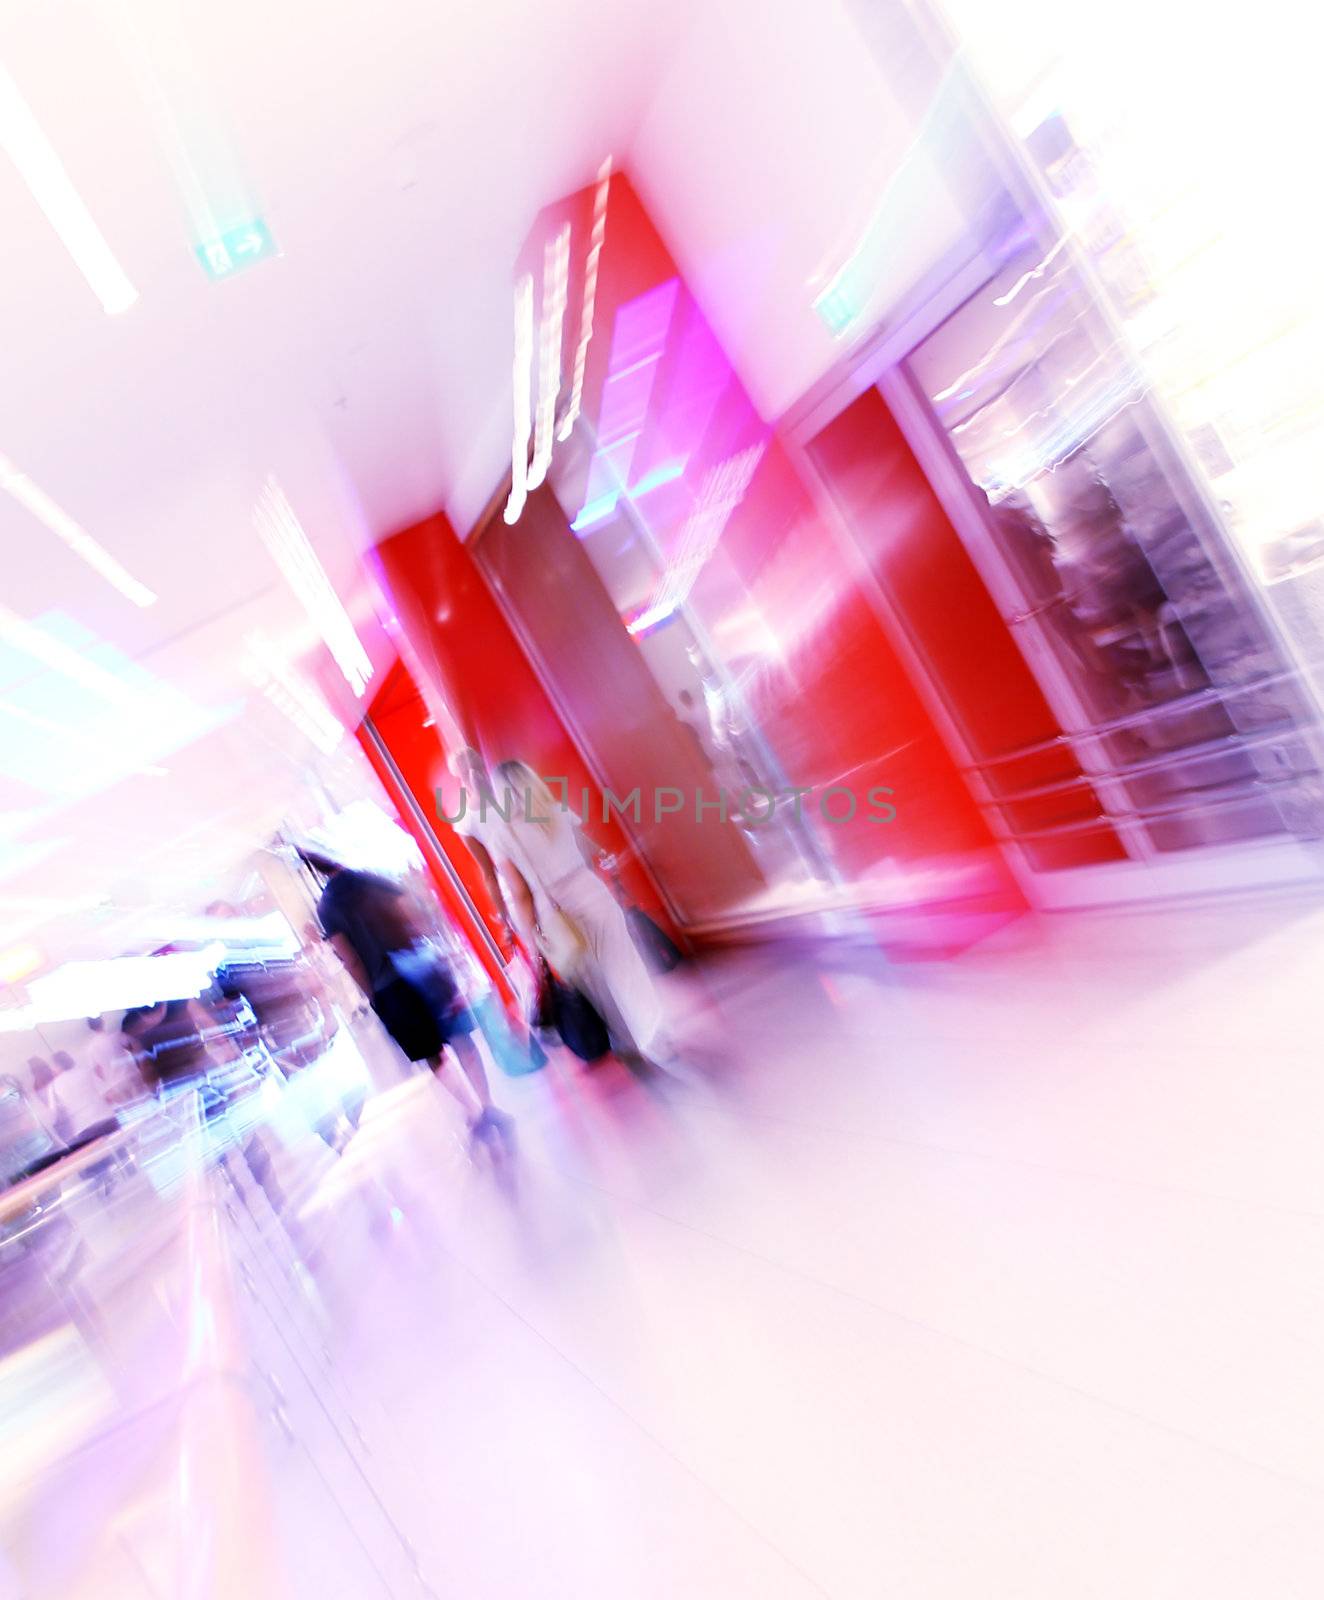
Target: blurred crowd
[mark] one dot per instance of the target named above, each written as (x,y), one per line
(260,1021)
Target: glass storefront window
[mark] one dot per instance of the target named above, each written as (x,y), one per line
(660,557)
(1179,155)
(1149,647)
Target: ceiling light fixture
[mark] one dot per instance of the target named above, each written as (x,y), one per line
(19,963)
(34,499)
(292,694)
(555,294)
(105,747)
(42,170)
(61,658)
(288,544)
(523,378)
(91,988)
(555,289)
(596,237)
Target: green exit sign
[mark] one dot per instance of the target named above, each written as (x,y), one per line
(237,248)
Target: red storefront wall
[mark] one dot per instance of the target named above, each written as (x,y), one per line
(480,672)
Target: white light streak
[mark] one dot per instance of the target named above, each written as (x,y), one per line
(650,618)
(722,490)
(1073,431)
(523,378)
(1029,277)
(42,170)
(996,348)
(91,988)
(61,658)
(62,525)
(555,288)
(596,237)
(292,694)
(104,747)
(272,932)
(283,536)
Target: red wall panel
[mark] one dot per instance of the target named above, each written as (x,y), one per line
(399,716)
(480,670)
(836,701)
(918,558)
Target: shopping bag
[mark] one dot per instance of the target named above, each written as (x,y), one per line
(542,1014)
(659,953)
(560,943)
(582,1030)
(522,976)
(515,1059)
(425,969)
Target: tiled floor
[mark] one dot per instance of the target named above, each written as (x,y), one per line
(996,1277)
(1001,1277)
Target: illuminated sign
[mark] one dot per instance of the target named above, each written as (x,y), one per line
(236,249)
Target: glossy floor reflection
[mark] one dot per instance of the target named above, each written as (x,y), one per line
(999,1277)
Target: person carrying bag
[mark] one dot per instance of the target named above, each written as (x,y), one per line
(569,916)
(568,1012)
(655,945)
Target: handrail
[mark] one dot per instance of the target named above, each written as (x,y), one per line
(19,1196)
(1202,699)
(1141,815)
(1209,750)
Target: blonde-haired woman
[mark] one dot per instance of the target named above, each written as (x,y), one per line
(562,906)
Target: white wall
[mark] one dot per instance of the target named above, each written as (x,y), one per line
(774,136)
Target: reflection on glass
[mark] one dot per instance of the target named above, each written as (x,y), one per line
(1189,209)
(705,695)
(650,480)
(1146,642)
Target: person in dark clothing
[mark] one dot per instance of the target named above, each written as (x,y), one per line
(80,1112)
(169,1039)
(383,942)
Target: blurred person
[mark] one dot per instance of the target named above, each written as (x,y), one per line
(40,1076)
(698,724)
(564,909)
(170,1044)
(479,827)
(77,1103)
(334,987)
(27,1145)
(706,718)
(385,945)
(132,1029)
(111,1064)
(1040,562)
(273,1002)
(165,1050)
(280,1016)
(178,1044)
